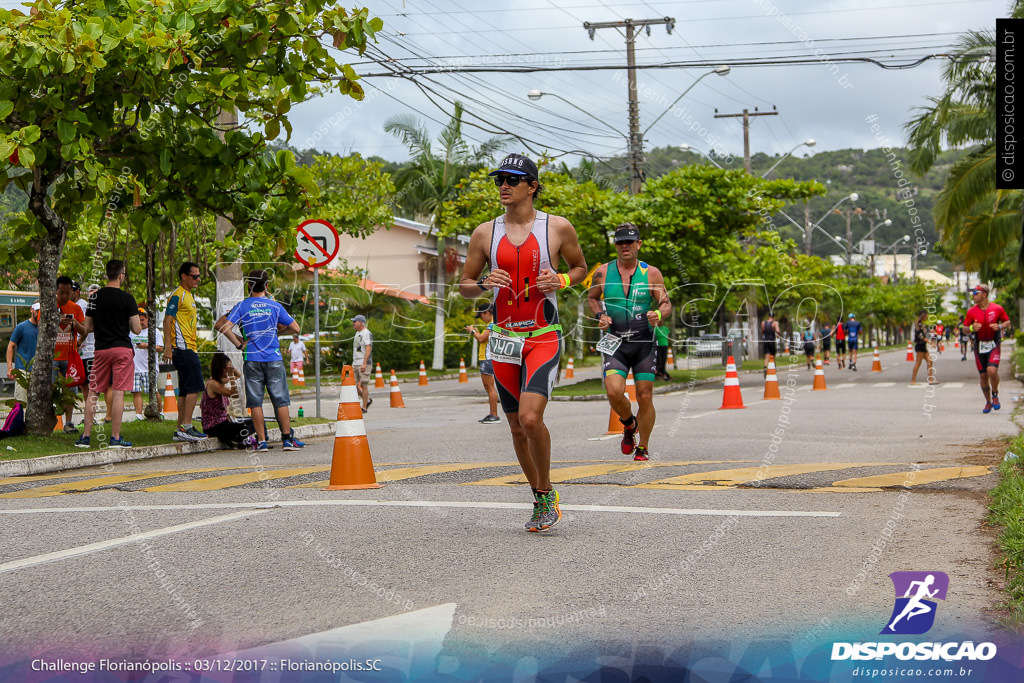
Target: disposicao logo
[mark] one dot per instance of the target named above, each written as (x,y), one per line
(914,614)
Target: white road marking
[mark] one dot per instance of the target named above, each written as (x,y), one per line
(954,385)
(886,385)
(113,543)
(845,385)
(488,505)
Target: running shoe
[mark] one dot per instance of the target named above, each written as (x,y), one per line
(490,420)
(987,408)
(534,523)
(549,511)
(853,366)
(192,431)
(120,442)
(290,443)
(628,443)
(641,453)
(262,447)
(70,428)
(139,418)
(995,402)
(183,435)
(82,442)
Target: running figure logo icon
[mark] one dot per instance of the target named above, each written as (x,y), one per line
(914,612)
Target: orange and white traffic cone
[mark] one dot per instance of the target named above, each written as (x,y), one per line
(60,423)
(819,376)
(302,375)
(956,344)
(670,359)
(942,347)
(876,364)
(570,372)
(170,403)
(351,466)
(732,397)
(463,375)
(295,375)
(423,374)
(379,381)
(771,381)
(910,352)
(631,387)
(396,393)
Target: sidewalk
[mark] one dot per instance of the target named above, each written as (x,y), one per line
(110,456)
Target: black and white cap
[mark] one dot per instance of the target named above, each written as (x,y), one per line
(516,164)
(627,233)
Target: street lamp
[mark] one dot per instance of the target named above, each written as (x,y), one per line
(537,94)
(810,143)
(722,70)
(687,148)
(635,140)
(894,248)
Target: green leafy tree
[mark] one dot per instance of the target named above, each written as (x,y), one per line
(104,96)
(974,217)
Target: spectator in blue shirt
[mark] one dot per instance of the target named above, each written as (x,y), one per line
(260,318)
(22,349)
(853,330)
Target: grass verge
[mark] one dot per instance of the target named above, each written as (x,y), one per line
(139,433)
(1007,512)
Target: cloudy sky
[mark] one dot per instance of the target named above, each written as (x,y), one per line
(825,99)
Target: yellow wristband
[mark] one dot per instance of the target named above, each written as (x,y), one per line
(564,277)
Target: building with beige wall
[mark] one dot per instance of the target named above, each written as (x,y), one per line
(401,257)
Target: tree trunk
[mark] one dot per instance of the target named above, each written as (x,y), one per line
(39,415)
(440,300)
(152,410)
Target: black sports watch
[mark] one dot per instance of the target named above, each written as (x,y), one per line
(480,284)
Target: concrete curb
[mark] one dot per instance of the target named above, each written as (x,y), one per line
(110,456)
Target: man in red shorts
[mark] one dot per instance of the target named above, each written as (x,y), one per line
(524,248)
(987,321)
(111,314)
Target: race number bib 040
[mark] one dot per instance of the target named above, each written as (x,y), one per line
(609,344)
(505,349)
(986,346)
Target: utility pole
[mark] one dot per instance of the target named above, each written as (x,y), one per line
(636,138)
(808,228)
(746,114)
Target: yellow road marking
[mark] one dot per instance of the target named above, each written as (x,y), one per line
(563,474)
(44,477)
(58,489)
(400,473)
(919,477)
(696,481)
(227,481)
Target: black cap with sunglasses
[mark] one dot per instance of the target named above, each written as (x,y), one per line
(516,165)
(627,233)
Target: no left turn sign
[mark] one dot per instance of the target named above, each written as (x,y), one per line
(317,243)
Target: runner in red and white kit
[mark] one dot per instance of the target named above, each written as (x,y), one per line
(987,321)
(523,248)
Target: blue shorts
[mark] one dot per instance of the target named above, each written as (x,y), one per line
(852,344)
(271,376)
(486,367)
(190,371)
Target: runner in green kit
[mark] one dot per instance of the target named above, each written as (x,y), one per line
(621,298)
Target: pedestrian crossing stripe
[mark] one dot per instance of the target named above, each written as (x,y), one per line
(698,481)
(563,474)
(569,471)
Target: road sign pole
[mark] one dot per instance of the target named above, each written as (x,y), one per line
(316,334)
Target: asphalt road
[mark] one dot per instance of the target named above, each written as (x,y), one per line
(692,552)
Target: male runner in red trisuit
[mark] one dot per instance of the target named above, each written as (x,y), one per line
(987,321)
(523,248)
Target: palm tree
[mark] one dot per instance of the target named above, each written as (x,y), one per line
(430,180)
(977,220)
